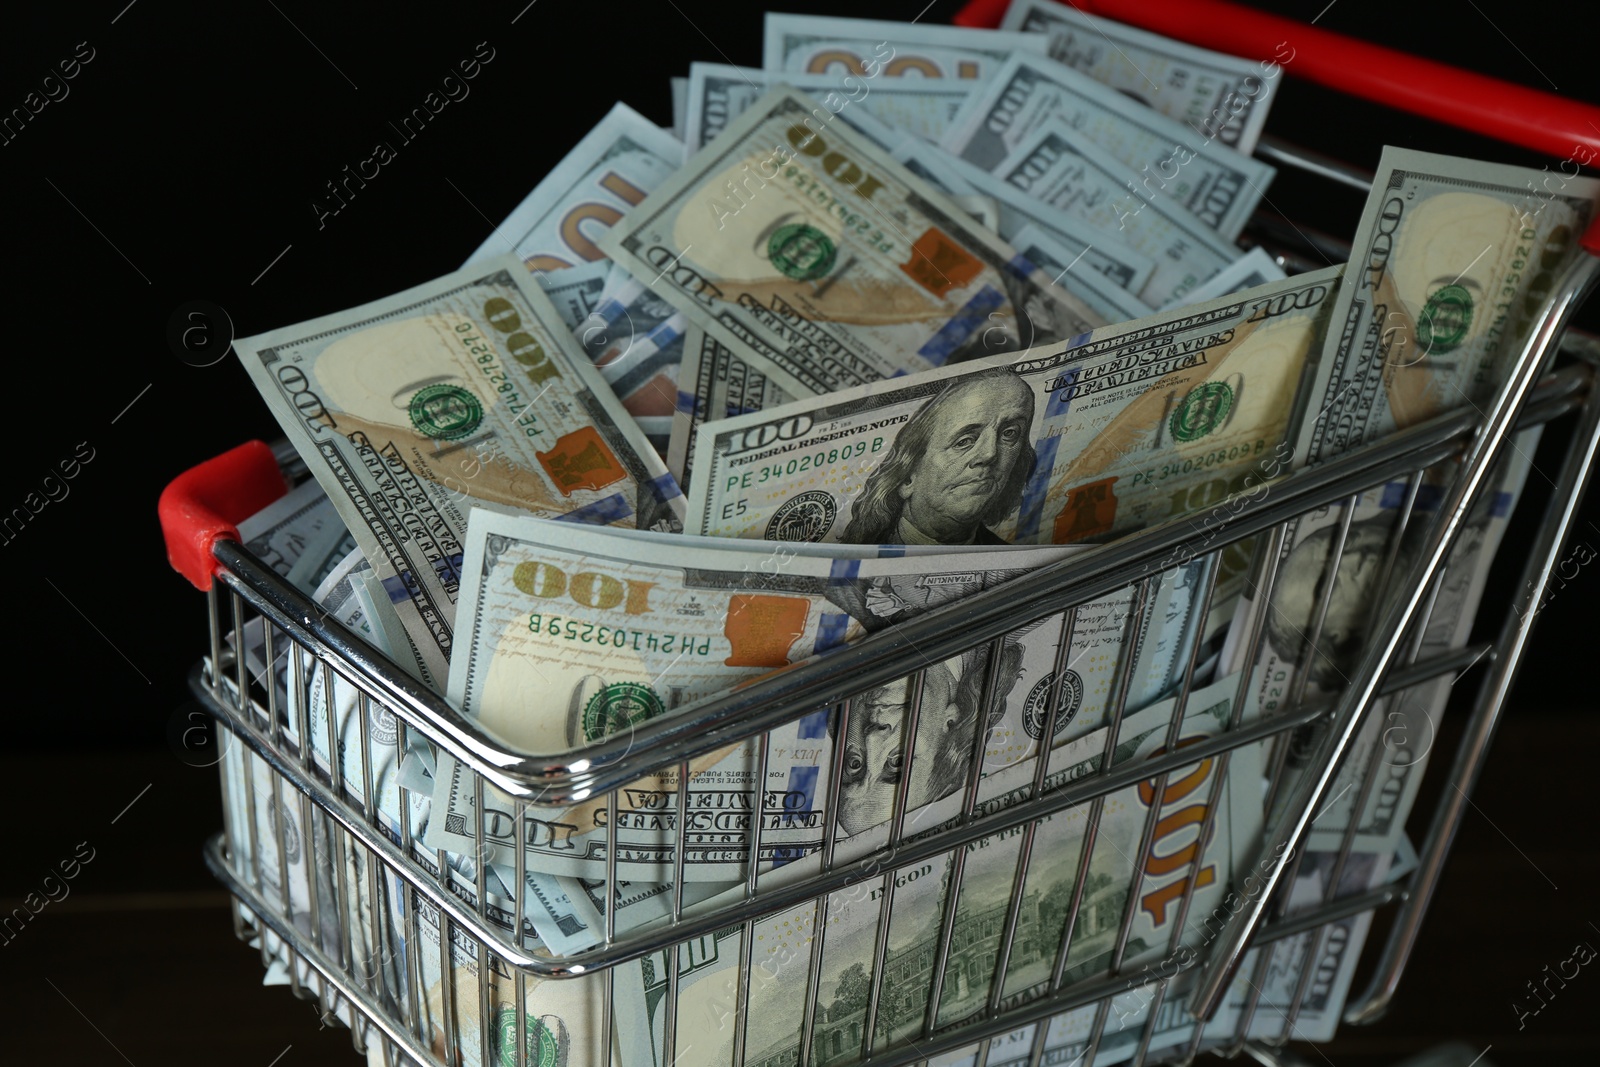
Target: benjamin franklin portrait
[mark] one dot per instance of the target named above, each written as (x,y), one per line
(941,752)
(1301,580)
(955,470)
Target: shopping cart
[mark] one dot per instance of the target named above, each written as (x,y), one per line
(349,929)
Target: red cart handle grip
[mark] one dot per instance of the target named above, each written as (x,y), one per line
(208,501)
(1544,122)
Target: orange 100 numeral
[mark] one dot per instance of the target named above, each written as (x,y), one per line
(1158,864)
(572,224)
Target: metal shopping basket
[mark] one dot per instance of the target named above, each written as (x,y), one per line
(348,930)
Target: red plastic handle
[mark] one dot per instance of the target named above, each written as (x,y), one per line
(1544,122)
(208,502)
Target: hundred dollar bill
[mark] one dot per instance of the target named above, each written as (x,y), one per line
(624,157)
(713,601)
(1061,167)
(694,401)
(378,603)
(288,855)
(282,535)
(464,390)
(1130,426)
(1254,268)
(814,44)
(1221,96)
(710,992)
(1338,947)
(713,383)
(569,913)
(1397,738)
(1066,1037)
(580,633)
(921,107)
(811,254)
(1093,247)
(339,594)
(1377,785)
(916,898)
(1451,260)
(1082,686)
(1218,185)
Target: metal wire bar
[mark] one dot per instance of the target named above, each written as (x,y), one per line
(808,1018)
(231,816)
(778,899)
(958,858)
(830,815)
(413,950)
(669,1050)
(326,969)
(214,631)
(1476,467)
(1369,777)
(1041,771)
(1264,567)
(1153,815)
(880,949)
(1511,643)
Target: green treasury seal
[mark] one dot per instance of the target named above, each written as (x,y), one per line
(617,706)
(801,252)
(446,412)
(1445,319)
(1203,410)
(543,1049)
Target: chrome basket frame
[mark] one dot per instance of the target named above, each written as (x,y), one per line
(346,983)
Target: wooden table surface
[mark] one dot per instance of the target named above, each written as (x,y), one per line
(139,964)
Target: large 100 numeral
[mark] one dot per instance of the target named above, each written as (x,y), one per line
(572,223)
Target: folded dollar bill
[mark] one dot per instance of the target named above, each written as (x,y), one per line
(1095,248)
(1449,265)
(554,231)
(807,251)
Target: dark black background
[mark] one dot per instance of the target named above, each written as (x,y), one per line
(185,161)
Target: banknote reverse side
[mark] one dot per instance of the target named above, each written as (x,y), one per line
(811,44)
(1222,96)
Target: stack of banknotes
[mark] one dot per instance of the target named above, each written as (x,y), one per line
(904,314)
